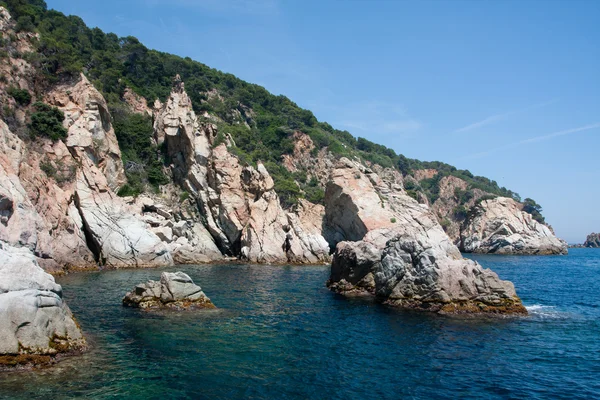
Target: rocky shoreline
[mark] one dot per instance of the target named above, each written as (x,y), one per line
(63,209)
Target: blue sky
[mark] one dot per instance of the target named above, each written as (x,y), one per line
(507,89)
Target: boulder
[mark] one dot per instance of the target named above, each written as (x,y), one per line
(499,226)
(34,319)
(174,291)
(390,246)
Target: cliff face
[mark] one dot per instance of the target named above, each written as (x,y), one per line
(499,226)
(241,209)
(58,202)
(478,222)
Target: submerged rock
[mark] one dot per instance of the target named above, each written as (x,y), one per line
(35,323)
(174,291)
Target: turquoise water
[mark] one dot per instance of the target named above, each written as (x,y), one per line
(280,334)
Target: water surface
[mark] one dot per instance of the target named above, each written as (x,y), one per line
(280,334)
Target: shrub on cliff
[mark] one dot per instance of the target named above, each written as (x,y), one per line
(46,121)
(142,159)
(530,206)
(21,96)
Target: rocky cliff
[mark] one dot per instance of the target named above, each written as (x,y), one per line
(59,185)
(499,226)
(480,222)
(592,240)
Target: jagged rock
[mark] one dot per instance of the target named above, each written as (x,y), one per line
(197,247)
(592,240)
(36,212)
(89,127)
(400,252)
(499,226)
(413,273)
(117,237)
(352,268)
(34,320)
(239,204)
(136,103)
(174,291)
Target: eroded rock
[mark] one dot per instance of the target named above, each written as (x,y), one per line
(499,226)
(34,319)
(173,291)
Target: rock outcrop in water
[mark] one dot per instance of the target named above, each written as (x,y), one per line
(592,240)
(499,226)
(35,323)
(400,254)
(174,291)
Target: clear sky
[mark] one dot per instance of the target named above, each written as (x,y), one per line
(507,89)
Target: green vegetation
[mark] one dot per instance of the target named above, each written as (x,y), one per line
(47,121)
(260,123)
(533,208)
(142,159)
(59,173)
(21,96)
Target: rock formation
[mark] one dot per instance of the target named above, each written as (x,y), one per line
(592,240)
(35,323)
(241,209)
(174,291)
(399,252)
(499,226)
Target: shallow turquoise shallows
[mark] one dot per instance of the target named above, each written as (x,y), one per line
(280,334)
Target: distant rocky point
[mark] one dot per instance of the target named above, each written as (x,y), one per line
(592,240)
(174,291)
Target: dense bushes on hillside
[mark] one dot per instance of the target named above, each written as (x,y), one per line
(141,158)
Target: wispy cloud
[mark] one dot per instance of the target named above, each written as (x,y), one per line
(499,117)
(375,117)
(534,140)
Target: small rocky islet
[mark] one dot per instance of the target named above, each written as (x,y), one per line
(63,207)
(175,291)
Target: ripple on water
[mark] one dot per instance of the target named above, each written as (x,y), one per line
(278,333)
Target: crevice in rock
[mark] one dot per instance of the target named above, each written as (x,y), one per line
(91,242)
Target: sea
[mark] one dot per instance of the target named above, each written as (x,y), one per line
(278,333)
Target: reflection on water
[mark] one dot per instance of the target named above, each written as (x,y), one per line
(278,333)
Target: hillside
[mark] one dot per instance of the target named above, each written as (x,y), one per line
(261,125)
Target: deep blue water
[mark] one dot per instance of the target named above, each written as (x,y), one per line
(279,334)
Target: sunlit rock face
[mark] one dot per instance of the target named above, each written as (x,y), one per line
(34,319)
(499,226)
